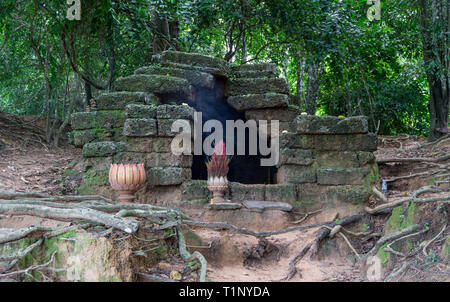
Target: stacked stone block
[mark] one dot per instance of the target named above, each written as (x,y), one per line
(329,158)
(322,159)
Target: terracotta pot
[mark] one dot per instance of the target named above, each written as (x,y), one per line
(217,185)
(127,179)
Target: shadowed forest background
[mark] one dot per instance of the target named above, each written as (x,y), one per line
(394,70)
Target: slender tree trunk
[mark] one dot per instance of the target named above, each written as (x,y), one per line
(301,62)
(436,62)
(314,72)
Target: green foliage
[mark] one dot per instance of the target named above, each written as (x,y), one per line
(372,68)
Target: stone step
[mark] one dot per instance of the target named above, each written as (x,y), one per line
(255,67)
(311,124)
(118,100)
(194,77)
(213,71)
(102,149)
(194,59)
(261,206)
(283,114)
(257,86)
(101,119)
(337,142)
(140,111)
(168,176)
(158,84)
(175,112)
(254,74)
(258,101)
(224,206)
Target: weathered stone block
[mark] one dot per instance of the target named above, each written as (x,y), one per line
(296,174)
(314,195)
(148,144)
(343,159)
(287,114)
(283,192)
(165,127)
(261,206)
(346,142)
(254,74)
(194,59)
(224,206)
(258,101)
(175,112)
(295,157)
(140,111)
(155,84)
(82,137)
(341,176)
(195,190)
(155,159)
(257,86)
(98,119)
(255,67)
(240,192)
(296,141)
(118,100)
(102,149)
(140,127)
(194,77)
(168,176)
(311,124)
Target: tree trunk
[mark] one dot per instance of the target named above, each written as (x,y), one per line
(435,52)
(301,62)
(314,73)
(161,33)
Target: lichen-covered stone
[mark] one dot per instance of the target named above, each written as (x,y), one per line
(224,206)
(254,74)
(158,84)
(193,59)
(97,119)
(240,192)
(255,67)
(311,124)
(140,127)
(287,114)
(295,157)
(261,206)
(341,176)
(343,159)
(148,144)
(82,137)
(312,196)
(168,176)
(118,100)
(165,127)
(155,159)
(281,192)
(257,86)
(346,142)
(194,77)
(175,112)
(102,149)
(296,174)
(140,111)
(195,190)
(258,101)
(296,141)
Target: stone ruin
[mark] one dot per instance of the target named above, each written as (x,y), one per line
(323,160)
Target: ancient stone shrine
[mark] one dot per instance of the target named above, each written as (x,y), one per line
(323,160)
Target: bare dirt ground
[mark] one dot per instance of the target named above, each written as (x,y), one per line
(28,164)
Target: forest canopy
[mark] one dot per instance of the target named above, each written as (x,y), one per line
(386,59)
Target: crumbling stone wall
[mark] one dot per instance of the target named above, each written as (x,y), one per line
(322,159)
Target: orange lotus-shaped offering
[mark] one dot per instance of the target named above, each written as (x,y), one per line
(127,179)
